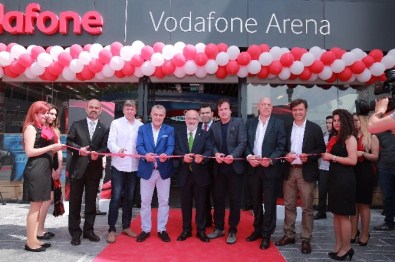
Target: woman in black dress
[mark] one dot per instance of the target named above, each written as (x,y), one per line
(39,146)
(342,152)
(368,151)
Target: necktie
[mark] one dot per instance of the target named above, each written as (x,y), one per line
(205,127)
(190,141)
(91,129)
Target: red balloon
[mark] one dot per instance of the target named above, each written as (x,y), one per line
(372,80)
(275,67)
(338,52)
(201,59)
(49,76)
(328,57)
(382,78)
(345,75)
(211,51)
(377,54)
(128,68)
(316,67)
(75,50)
(305,75)
(332,78)
(87,47)
(55,68)
(87,74)
(287,59)
(147,52)
(48,49)
(159,72)
(178,60)
(115,48)
(105,56)
(358,67)
(293,77)
(79,76)
(168,67)
(221,72)
(222,47)
(158,47)
(263,73)
(189,52)
(297,52)
(264,48)
(36,51)
(368,60)
(25,60)
(232,67)
(254,51)
(8,72)
(95,66)
(16,67)
(137,60)
(244,58)
(119,74)
(64,59)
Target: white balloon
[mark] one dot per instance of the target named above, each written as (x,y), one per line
(17,50)
(276,52)
(297,68)
(95,50)
(391,52)
(190,67)
(233,51)
(107,71)
(29,48)
(138,72)
(108,47)
(157,59)
(271,76)
(364,76)
(28,73)
(359,54)
(179,47)
(148,68)
(326,73)
(254,67)
(349,58)
(44,59)
(138,45)
(211,67)
(99,76)
(307,59)
(352,79)
(68,74)
(85,57)
(388,61)
(316,51)
(337,66)
(55,51)
(37,69)
(284,74)
(266,58)
(179,72)
(200,47)
(5,58)
(126,53)
(201,72)
(76,66)
(377,69)
(313,77)
(284,50)
(116,63)
(222,58)
(243,72)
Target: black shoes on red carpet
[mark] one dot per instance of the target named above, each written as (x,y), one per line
(143,236)
(164,236)
(254,236)
(184,235)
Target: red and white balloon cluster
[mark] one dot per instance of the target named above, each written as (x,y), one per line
(160,60)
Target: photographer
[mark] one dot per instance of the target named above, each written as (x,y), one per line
(378,123)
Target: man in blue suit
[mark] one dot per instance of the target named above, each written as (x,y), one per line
(155,141)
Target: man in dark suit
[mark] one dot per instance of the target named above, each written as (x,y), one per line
(229,141)
(305,144)
(193,175)
(265,141)
(89,137)
(155,141)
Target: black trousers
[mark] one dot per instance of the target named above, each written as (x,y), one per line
(263,191)
(227,184)
(322,190)
(90,183)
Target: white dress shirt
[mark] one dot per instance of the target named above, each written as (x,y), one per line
(259,136)
(297,141)
(123,135)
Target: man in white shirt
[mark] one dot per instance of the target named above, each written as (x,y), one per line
(122,140)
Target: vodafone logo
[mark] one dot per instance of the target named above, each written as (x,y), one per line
(47,22)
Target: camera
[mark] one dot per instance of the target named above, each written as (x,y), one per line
(363,107)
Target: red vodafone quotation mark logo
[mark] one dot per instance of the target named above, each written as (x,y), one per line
(47,22)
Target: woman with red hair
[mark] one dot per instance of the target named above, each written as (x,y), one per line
(39,146)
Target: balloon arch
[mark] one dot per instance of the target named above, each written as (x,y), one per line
(93,61)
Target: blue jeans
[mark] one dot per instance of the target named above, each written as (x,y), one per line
(387,183)
(122,186)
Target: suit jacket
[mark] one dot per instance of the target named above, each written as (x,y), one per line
(78,137)
(236,139)
(202,145)
(313,143)
(273,145)
(145,144)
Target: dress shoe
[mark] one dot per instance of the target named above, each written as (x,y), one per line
(100,213)
(363,244)
(320,215)
(46,245)
(39,249)
(91,237)
(44,237)
(203,237)
(285,241)
(231,238)
(306,247)
(111,237)
(129,232)
(164,236)
(265,244)
(184,235)
(76,241)
(143,236)
(384,227)
(349,254)
(254,236)
(216,233)
(333,254)
(354,240)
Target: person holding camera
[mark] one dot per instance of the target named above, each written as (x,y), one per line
(380,120)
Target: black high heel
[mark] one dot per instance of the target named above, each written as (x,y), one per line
(333,254)
(362,244)
(39,249)
(354,240)
(349,254)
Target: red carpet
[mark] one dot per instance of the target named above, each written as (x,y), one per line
(192,249)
